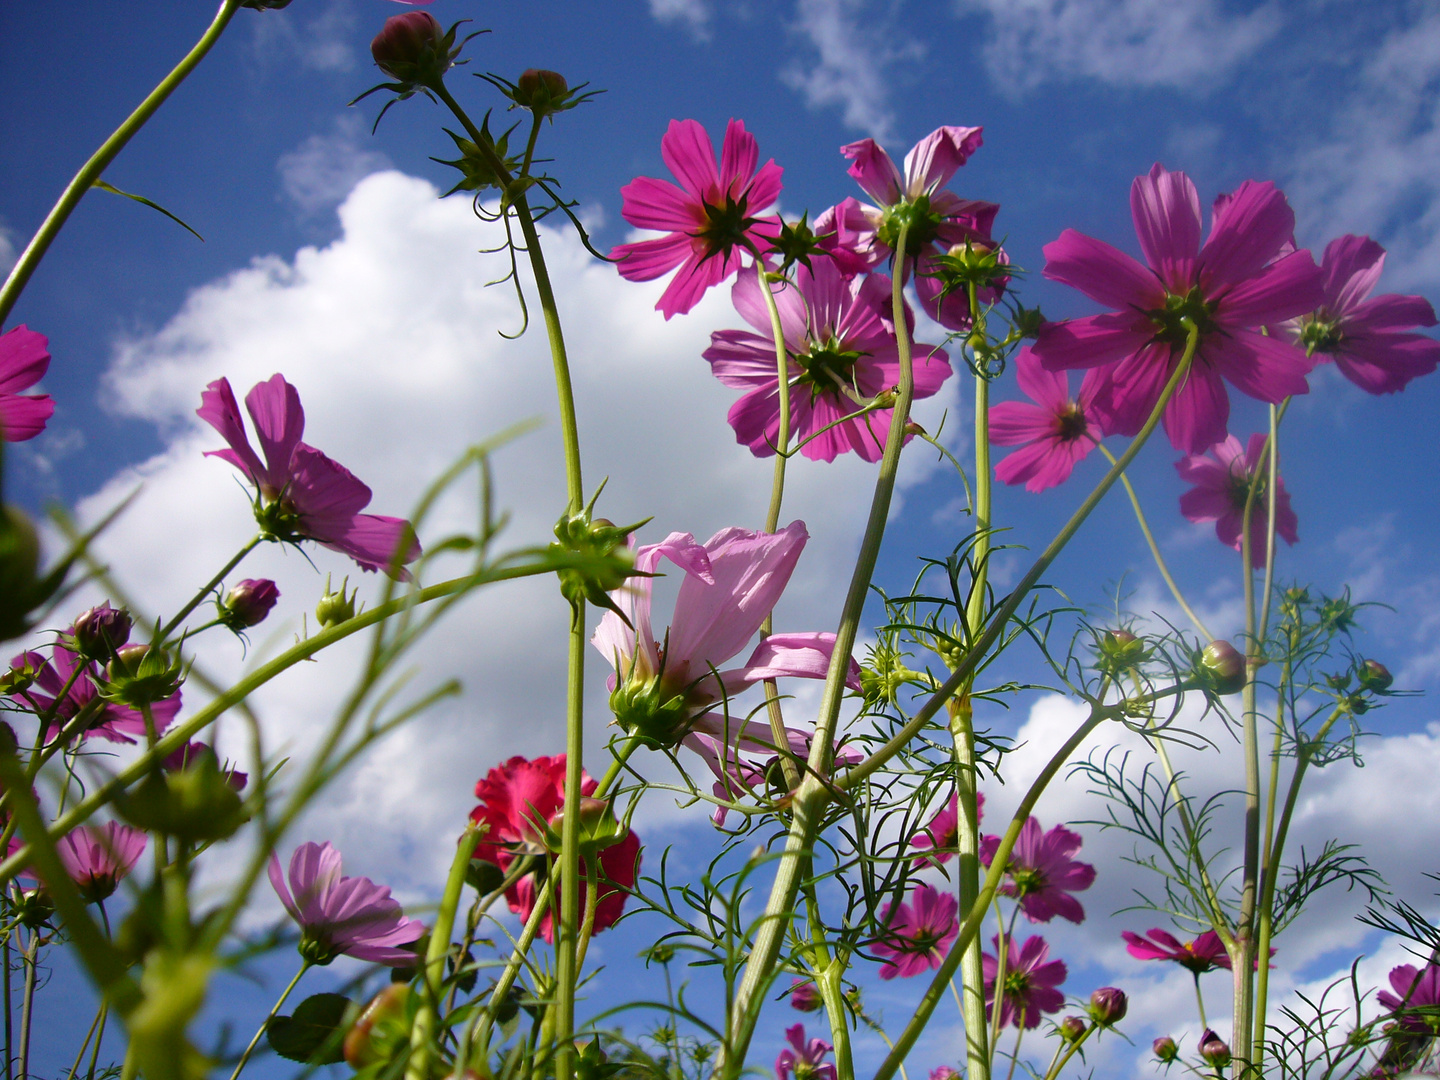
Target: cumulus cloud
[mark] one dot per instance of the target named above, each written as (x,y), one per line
(693,15)
(323,169)
(1121,42)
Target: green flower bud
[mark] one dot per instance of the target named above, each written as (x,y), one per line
(335,608)
(141,675)
(596,558)
(1120,650)
(1071,1028)
(34,908)
(196,804)
(1374,676)
(1221,668)
(599,828)
(98,632)
(1165,1049)
(1108,1005)
(639,711)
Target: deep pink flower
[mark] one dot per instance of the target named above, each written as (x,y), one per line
(944,1072)
(342,915)
(1366,336)
(805,996)
(1199,956)
(1056,432)
(942,835)
(24,358)
(866,235)
(1042,872)
(303,495)
(191,752)
(113,722)
(842,352)
(97,857)
(1030,982)
(1222,479)
(1414,990)
(807,1058)
(711,217)
(1245,276)
(918,934)
(518,802)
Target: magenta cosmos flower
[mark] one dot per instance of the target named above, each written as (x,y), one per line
(1199,956)
(342,915)
(97,857)
(866,235)
(917,934)
(1029,984)
(1366,336)
(60,691)
(710,218)
(805,1059)
(1245,276)
(24,359)
(302,494)
(1042,872)
(842,353)
(1054,434)
(1417,990)
(942,836)
(1222,480)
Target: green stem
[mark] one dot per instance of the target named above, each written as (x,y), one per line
(1070,1051)
(422,1034)
(99,1038)
(206,590)
(1200,1002)
(27,1002)
(93,169)
(94,1026)
(274,1012)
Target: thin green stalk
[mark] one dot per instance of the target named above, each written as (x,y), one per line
(1070,1051)
(422,1034)
(79,1057)
(27,1002)
(1155,550)
(305,966)
(1015,1054)
(1211,898)
(812,794)
(99,1039)
(1200,1002)
(206,590)
(9,1022)
(99,161)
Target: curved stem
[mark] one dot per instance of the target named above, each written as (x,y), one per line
(274,1011)
(93,169)
(206,590)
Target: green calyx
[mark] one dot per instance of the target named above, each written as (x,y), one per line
(798,243)
(726,226)
(141,675)
(335,608)
(828,369)
(195,804)
(593,557)
(278,520)
(599,828)
(922,222)
(645,709)
(1180,313)
(477,173)
(1120,650)
(1320,335)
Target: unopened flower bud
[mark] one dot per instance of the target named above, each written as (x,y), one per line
(248,603)
(1375,676)
(912,428)
(1120,650)
(1222,667)
(599,828)
(660,953)
(1108,1005)
(1071,1028)
(804,996)
(98,632)
(542,92)
(412,48)
(34,908)
(1214,1050)
(141,675)
(335,608)
(1165,1049)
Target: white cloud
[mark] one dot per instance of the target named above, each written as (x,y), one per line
(850,69)
(1121,42)
(322,44)
(694,15)
(322,170)
(9,250)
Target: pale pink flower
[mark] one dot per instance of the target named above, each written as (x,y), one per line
(942,835)
(804,1059)
(302,494)
(917,934)
(97,857)
(711,218)
(24,359)
(342,915)
(1222,479)
(1245,276)
(1029,985)
(842,351)
(1055,433)
(1042,872)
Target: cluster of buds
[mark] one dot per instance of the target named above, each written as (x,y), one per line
(1369,678)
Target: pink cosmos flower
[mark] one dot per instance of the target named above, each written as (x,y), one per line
(342,915)
(917,934)
(1198,956)
(805,996)
(942,835)
(1245,276)
(944,1072)
(1042,873)
(806,1059)
(518,801)
(97,857)
(938,219)
(305,495)
(842,352)
(1366,336)
(191,752)
(24,358)
(711,217)
(1222,479)
(1056,432)
(59,688)
(1030,982)
(1415,990)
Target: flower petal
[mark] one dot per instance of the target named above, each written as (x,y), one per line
(1104,273)
(1166,209)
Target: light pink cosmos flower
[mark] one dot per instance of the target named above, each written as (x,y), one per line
(1056,432)
(303,495)
(1366,336)
(805,1059)
(97,857)
(942,835)
(1222,480)
(1042,872)
(917,934)
(866,235)
(1198,956)
(842,348)
(1030,982)
(711,217)
(1245,276)
(58,687)
(24,359)
(342,915)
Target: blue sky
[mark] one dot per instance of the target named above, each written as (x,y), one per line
(382,322)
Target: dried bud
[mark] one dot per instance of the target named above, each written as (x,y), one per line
(1222,668)
(804,996)
(1165,1049)
(1374,676)
(1214,1050)
(336,607)
(1072,1028)
(248,603)
(98,632)
(1108,1006)
(412,48)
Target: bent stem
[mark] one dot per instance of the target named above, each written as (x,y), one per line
(305,966)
